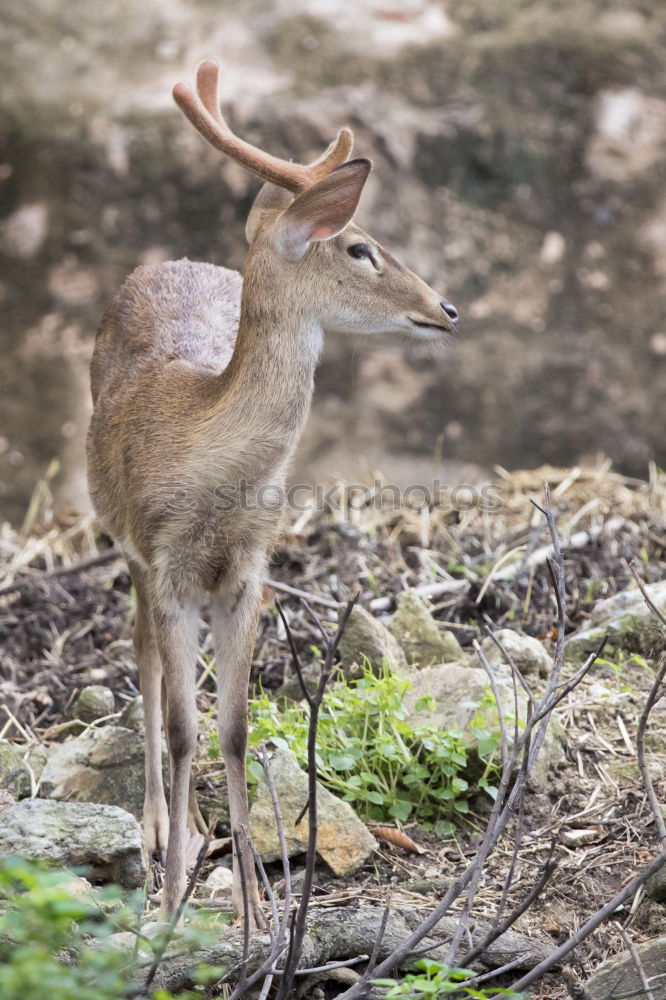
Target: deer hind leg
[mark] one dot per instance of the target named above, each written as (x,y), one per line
(149,663)
(234,616)
(176,628)
(195,821)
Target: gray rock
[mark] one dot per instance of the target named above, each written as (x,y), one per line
(528,654)
(20,766)
(220,882)
(655,887)
(337,931)
(343,841)
(421,640)
(102,765)
(131,716)
(627,774)
(618,976)
(626,617)
(461,693)
(291,686)
(104,838)
(6,798)
(367,640)
(94,702)
(127,941)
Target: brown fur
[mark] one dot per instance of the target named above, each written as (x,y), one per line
(201,383)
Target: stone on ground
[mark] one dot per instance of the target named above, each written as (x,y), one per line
(632,627)
(131,716)
(220,883)
(417,633)
(655,887)
(367,640)
(461,693)
(103,838)
(343,841)
(528,654)
(103,765)
(619,978)
(20,766)
(94,702)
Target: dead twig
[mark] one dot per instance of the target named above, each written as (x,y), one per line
(655,693)
(367,975)
(510,919)
(72,569)
(646,597)
(525,750)
(314,703)
(173,923)
(279,938)
(636,959)
(284,588)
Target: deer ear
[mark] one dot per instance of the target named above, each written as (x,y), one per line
(322,211)
(269,202)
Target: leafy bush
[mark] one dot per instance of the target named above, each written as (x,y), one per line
(371,755)
(434,980)
(55,944)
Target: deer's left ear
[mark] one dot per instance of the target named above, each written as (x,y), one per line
(270,201)
(322,211)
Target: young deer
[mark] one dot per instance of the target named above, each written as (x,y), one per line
(201,384)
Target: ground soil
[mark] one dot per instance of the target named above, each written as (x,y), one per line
(65,615)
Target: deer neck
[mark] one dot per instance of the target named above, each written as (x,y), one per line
(270,378)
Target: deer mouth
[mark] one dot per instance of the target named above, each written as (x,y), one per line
(430,326)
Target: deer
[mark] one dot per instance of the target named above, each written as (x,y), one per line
(201,383)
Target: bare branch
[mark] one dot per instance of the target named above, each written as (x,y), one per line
(500,711)
(284,853)
(636,959)
(646,597)
(173,923)
(285,588)
(295,659)
(653,696)
(511,918)
(526,749)
(314,702)
(655,693)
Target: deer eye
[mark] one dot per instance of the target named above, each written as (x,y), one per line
(359,250)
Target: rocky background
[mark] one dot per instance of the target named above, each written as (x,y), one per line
(519,166)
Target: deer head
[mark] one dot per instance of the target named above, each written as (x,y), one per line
(304,243)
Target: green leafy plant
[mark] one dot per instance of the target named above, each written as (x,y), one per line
(434,980)
(370,754)
(55,943)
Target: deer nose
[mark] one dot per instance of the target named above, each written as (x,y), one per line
(450,311)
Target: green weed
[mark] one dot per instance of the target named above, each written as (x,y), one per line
(434,980)
(58,944)
(371,755)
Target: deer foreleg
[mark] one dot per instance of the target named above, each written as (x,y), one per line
(234,618)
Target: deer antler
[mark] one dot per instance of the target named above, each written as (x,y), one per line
(203,111)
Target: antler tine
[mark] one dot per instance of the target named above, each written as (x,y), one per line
(203,111)
(337,153)
(207,77)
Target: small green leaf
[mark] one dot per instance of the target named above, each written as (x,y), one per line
(401,810)
(341,762)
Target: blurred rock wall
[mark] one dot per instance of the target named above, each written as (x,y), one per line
(519,166)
